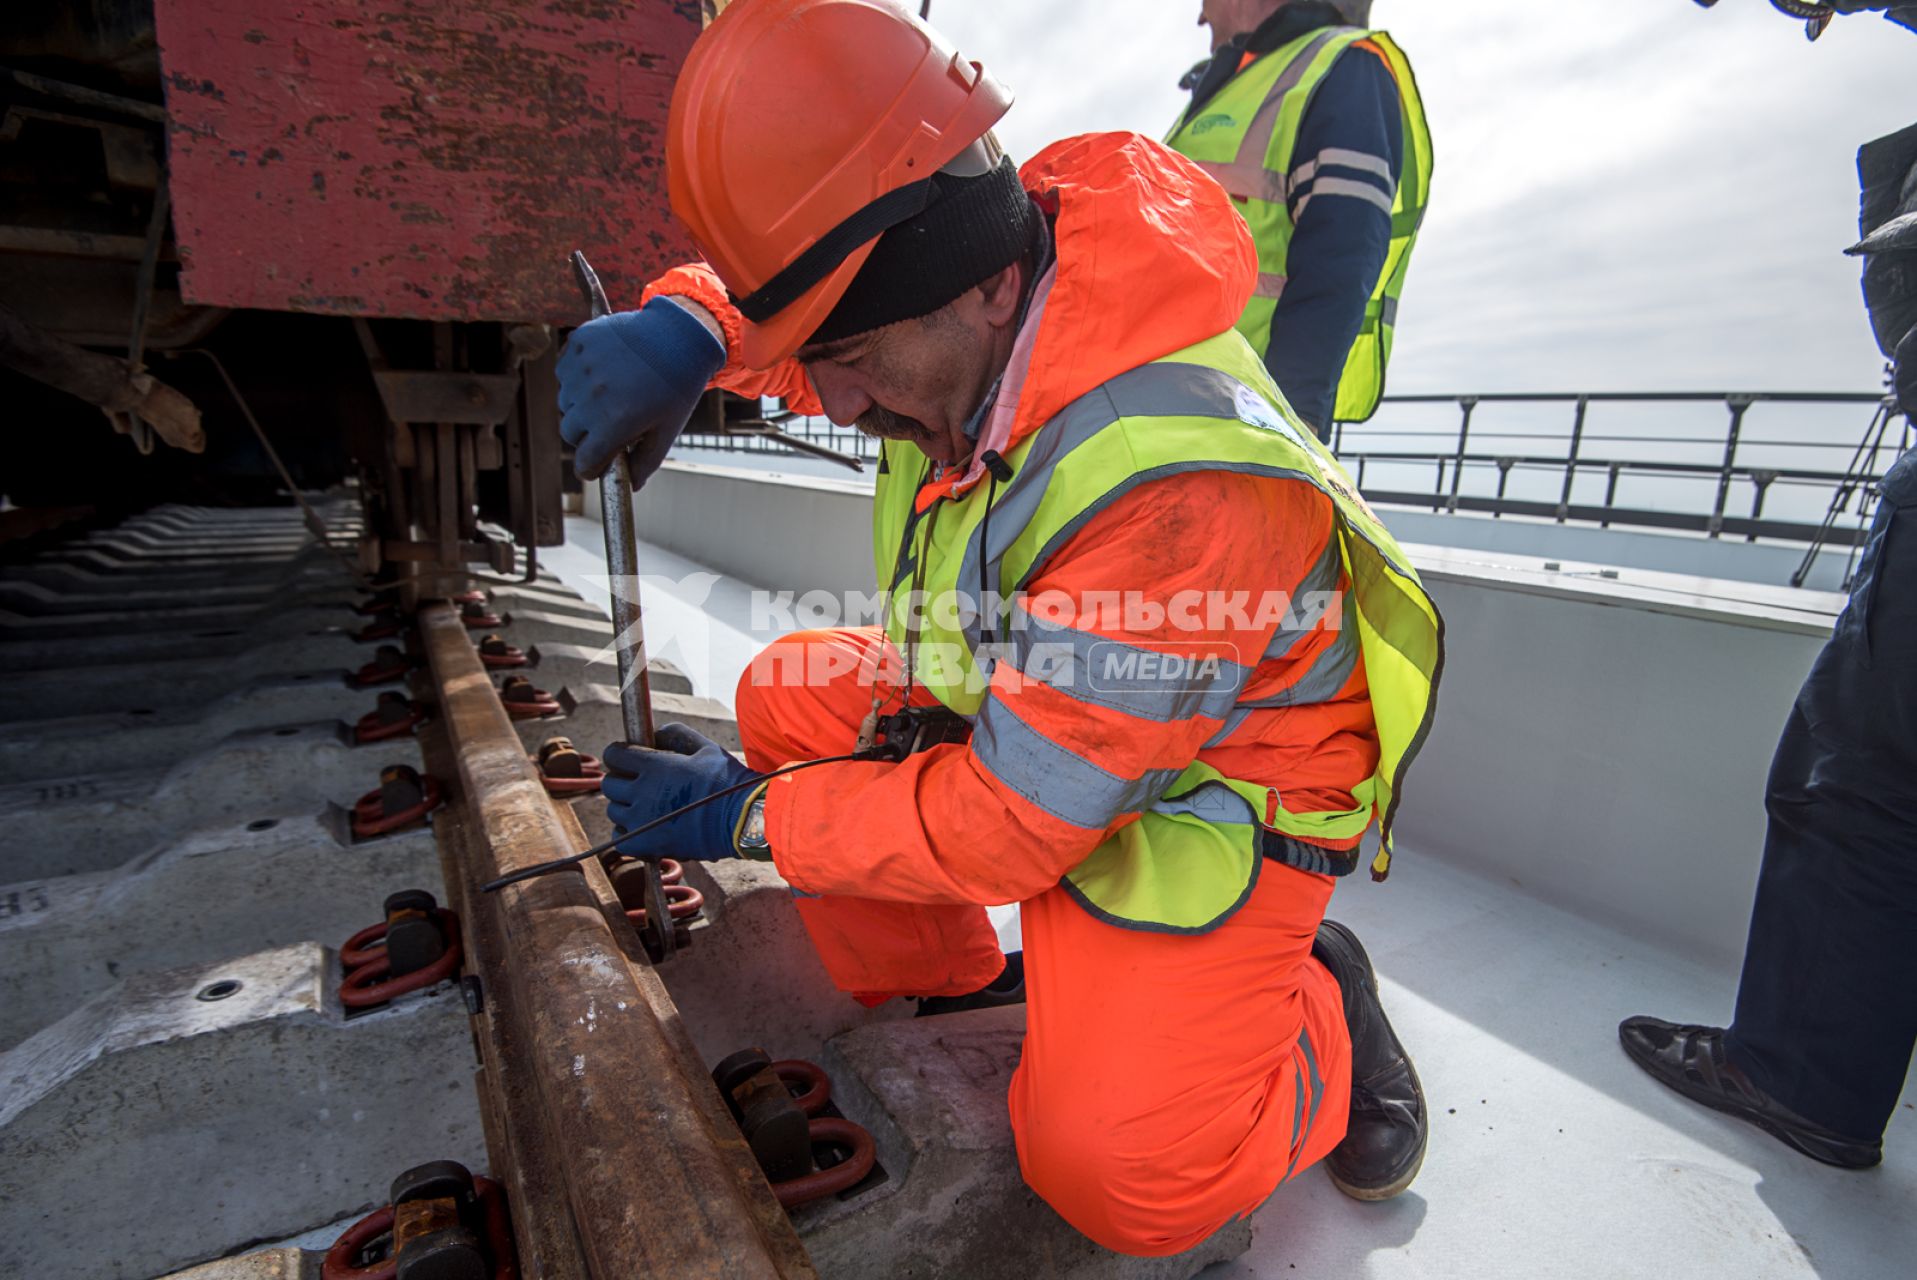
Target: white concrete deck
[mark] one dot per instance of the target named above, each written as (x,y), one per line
(1551,1153)
(1685,595)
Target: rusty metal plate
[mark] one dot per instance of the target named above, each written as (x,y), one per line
(437,159)
(474,399)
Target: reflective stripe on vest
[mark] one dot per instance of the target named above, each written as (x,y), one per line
(1245,137)
(1192,854)
(1051,777)
(1066,659)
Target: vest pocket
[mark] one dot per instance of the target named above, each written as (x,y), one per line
(1185,866)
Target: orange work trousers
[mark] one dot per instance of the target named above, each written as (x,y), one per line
(1168,1084)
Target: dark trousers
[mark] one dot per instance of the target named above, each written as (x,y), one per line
(1827,1008)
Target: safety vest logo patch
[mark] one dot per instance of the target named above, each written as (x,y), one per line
(1254,410)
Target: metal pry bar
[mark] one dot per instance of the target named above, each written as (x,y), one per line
(628,623)
(622,558)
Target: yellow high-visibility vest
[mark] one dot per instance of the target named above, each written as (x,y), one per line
(1245,136)
(1193,856)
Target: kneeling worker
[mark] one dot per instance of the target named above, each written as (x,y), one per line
(1160,748)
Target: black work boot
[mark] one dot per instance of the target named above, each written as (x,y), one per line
(1007,988)
(1691,1060)
(1385,1140)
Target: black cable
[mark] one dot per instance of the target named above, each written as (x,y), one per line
(559,864)
(917,592)
(1000,471)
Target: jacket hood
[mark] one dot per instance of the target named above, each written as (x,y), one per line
(1151,257)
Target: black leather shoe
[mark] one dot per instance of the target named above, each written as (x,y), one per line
(1385,1140)
(1690,1059)
(1007,988)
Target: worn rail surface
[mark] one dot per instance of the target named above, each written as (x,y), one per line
(620,1157)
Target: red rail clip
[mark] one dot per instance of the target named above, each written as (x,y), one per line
(524,702)
(832,1133)
(365,982)
(495,652)
(765,1119)
(339,1263)
(682,900)
(388,664)
(682,903)
(478,616)
(395,716)
(404,797)
(566,770)
(817,1084)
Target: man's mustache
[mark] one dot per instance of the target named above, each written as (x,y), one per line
(886,425)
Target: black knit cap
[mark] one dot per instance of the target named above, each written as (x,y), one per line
(973,229)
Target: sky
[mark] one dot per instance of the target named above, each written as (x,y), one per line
(1629,194)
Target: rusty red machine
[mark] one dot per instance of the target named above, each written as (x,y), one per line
(335,232)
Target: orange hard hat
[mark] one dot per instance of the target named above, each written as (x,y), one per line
(800,131)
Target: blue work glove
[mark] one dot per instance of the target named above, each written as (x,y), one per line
(630,381)
(642,784)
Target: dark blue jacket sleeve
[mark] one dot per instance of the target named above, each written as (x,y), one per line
(1345,172)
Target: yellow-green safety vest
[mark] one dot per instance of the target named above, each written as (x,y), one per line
(1193,857)
(1244,137)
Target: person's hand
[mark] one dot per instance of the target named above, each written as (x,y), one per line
(630,381)
(644,784)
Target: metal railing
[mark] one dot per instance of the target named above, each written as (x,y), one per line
(1499,455)
(747,437)
(1475,468)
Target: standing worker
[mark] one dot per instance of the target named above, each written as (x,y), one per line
(1315,126)
(1213,671)
(1826,1018)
